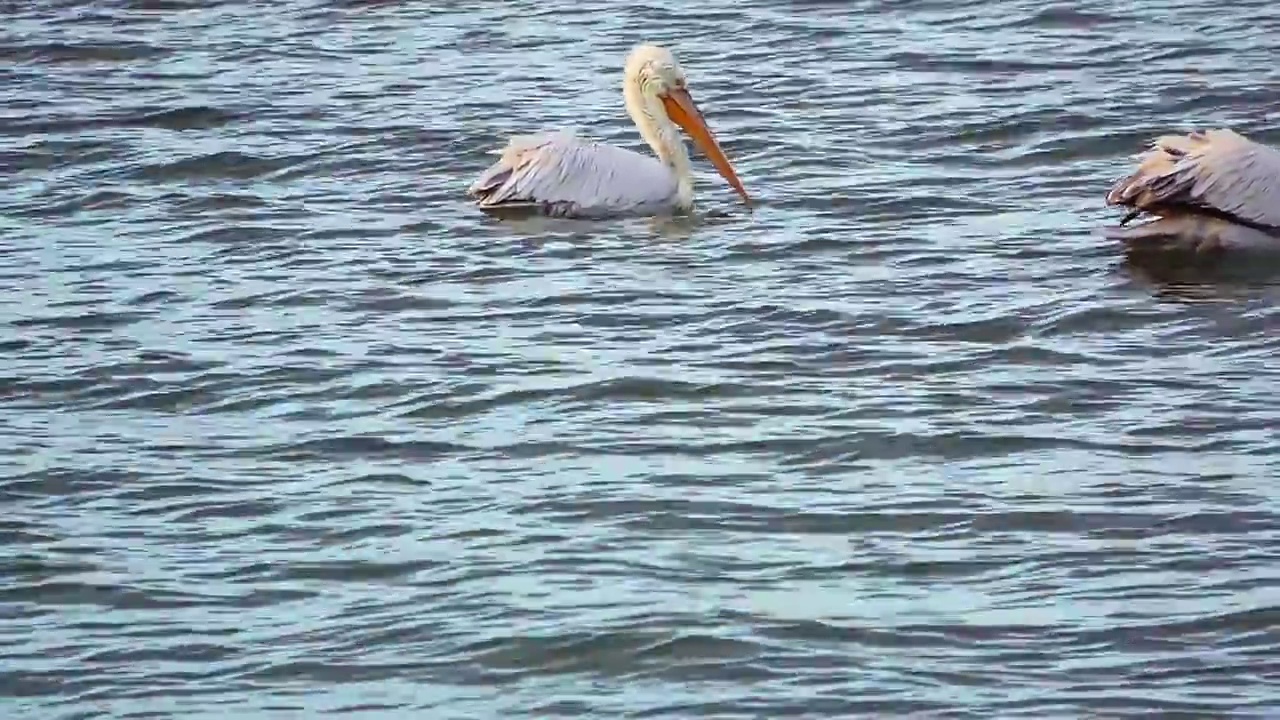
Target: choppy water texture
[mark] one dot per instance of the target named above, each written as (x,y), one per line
(291,429)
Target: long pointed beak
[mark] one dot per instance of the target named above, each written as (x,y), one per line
(684,112)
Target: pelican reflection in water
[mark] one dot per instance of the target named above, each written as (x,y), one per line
(562,175)
(1209,192)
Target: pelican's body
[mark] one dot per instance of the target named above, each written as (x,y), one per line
(1209,191)
(564,175)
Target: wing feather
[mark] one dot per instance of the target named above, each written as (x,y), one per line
(563,174)
(1217,171)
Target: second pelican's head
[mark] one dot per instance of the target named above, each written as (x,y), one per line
(656,83)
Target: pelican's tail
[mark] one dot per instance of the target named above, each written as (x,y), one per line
(510,157)
(1155,163)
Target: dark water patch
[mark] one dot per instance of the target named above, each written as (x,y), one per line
(66,53)
(294,429)
(85,322)
(227,164)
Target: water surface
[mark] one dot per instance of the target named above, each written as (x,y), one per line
(293,430)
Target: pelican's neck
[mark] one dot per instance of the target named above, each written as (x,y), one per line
(661,134)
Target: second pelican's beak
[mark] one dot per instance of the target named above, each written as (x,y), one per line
(684,112)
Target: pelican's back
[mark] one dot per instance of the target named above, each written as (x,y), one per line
(564,175)
(1217,171)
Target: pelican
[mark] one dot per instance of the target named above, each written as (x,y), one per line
(1210,192)
(563,175)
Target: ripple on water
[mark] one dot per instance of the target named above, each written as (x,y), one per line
(292,429)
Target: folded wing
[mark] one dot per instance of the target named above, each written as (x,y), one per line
(562,174)
(1216,172)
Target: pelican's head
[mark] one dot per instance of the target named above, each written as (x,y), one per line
(655,75)
(655,69)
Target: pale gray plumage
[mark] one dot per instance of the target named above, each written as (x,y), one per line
(1210,191)
(564,175)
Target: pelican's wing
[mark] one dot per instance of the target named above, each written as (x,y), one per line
(1216,170)
(563,174)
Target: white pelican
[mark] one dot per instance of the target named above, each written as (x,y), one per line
(1209,191)
(563,175)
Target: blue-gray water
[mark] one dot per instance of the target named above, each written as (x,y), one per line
(290,429)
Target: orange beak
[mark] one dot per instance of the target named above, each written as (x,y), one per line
(684,112)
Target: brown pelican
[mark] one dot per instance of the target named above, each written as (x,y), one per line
(561,174)
(1210,192)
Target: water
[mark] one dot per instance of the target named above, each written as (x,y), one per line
(294,430)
